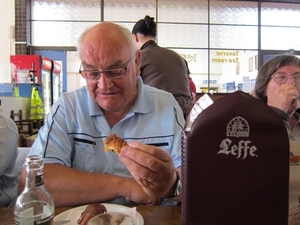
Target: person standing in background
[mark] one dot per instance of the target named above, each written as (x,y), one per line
(161,67)
(193,89)
(8,155)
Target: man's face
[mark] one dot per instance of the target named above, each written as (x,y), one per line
(112,95)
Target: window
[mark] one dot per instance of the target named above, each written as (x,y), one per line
(219,39)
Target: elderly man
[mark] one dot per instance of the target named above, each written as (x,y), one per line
(77,170)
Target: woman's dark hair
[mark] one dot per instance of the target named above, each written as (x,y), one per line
(268,69)
(145,26)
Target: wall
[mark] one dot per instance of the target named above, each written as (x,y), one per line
(13,103)
(76,81)
(7,18)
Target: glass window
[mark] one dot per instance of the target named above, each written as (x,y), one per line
(243,37)
(232,70)
(66,10)
(182,35)
(233,12)
(198,65)
(276,14)
(280,38)
(280,26)
(178,11)
(48,33)
(219,39)
(128,10)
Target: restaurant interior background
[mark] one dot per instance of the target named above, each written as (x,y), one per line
(224,42)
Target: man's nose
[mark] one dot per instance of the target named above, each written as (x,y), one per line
(104,81)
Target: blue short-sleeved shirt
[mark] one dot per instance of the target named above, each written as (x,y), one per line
(76,127)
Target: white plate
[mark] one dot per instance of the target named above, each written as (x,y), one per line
(71,216)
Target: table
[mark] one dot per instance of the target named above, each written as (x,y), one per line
(153,215)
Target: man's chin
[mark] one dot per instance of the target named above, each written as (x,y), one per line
(107,106)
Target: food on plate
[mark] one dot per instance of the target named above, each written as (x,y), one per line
(112,218)
(91,211)
(114,143)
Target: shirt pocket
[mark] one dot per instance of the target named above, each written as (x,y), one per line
(84,158)
(163,143)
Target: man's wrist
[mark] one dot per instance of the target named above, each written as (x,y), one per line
(176,188)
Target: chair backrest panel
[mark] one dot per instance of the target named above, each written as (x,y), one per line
(25,126)
(236,165)
(17,116)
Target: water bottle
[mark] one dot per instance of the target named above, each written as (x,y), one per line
(35,204)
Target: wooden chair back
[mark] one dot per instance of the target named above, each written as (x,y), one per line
(235,165)
(25,127)
(17,116)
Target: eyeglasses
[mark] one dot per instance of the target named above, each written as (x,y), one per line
(281,78)
(111,73)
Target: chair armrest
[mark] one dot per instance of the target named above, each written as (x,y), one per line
(28,123)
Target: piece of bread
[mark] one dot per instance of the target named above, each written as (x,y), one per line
(91,211)
(114,143)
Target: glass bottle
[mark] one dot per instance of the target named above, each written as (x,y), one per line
(35,204)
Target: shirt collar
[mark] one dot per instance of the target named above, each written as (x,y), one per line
(147,43)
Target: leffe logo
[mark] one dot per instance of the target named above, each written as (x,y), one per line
(238,127)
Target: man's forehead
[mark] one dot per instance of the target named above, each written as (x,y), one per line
(105,58)
(108,33)
(105,51)
(104,45)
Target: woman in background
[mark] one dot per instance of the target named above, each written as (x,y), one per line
(278,85)
(161,67)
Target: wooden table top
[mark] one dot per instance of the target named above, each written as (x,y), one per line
(152,215)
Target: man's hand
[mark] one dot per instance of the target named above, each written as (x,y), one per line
(151,167)
(134,192)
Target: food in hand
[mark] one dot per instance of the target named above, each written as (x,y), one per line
(114,143)
(112,218)
(91,211)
